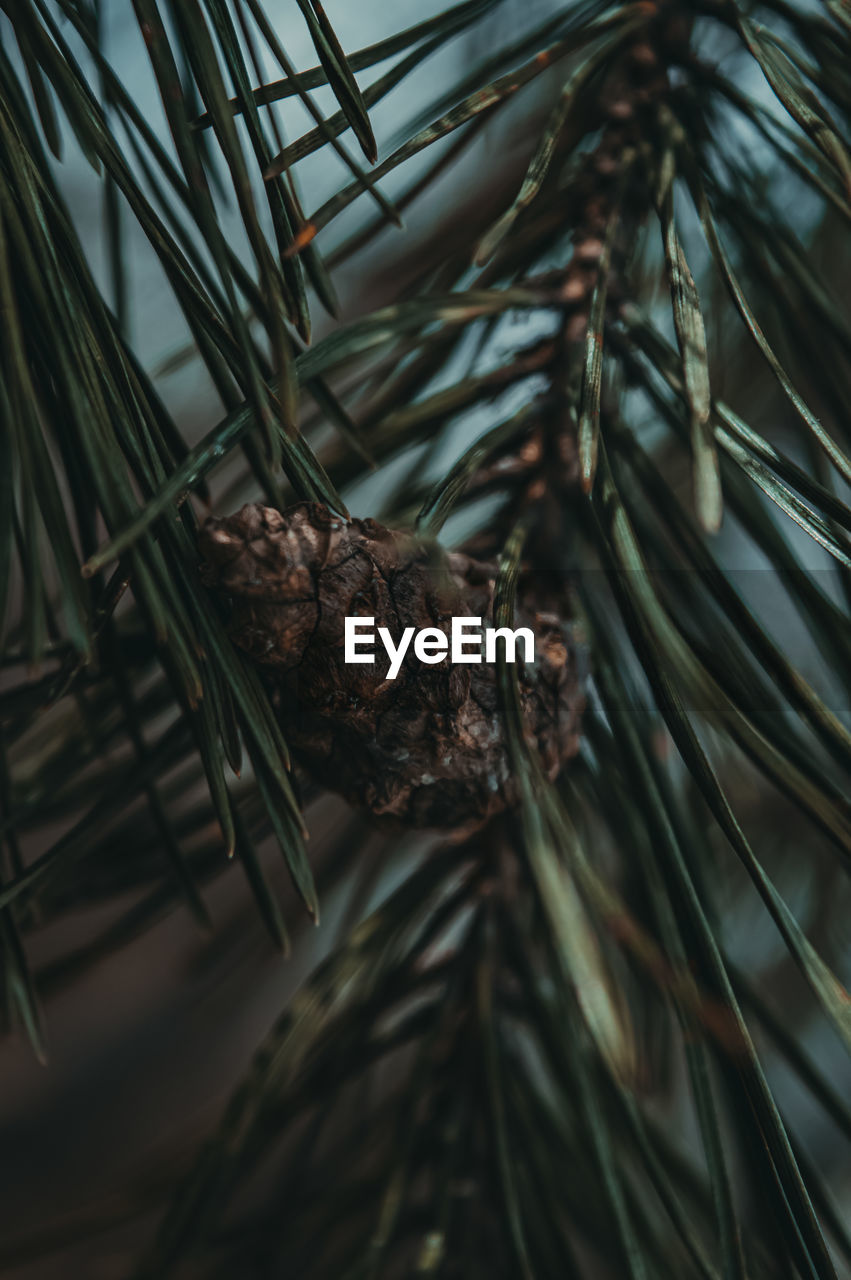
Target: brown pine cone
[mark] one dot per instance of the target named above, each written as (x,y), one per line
(426,748)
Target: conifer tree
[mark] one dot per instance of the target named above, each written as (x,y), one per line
(581,1012)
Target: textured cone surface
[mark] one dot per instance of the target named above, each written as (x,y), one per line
(427,748)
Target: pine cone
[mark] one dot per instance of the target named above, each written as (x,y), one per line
(426,748)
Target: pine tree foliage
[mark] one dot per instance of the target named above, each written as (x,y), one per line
(480,1078)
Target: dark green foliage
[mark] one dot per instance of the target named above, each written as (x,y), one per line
(469,1085)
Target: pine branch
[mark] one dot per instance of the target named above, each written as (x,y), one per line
(469,1083)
